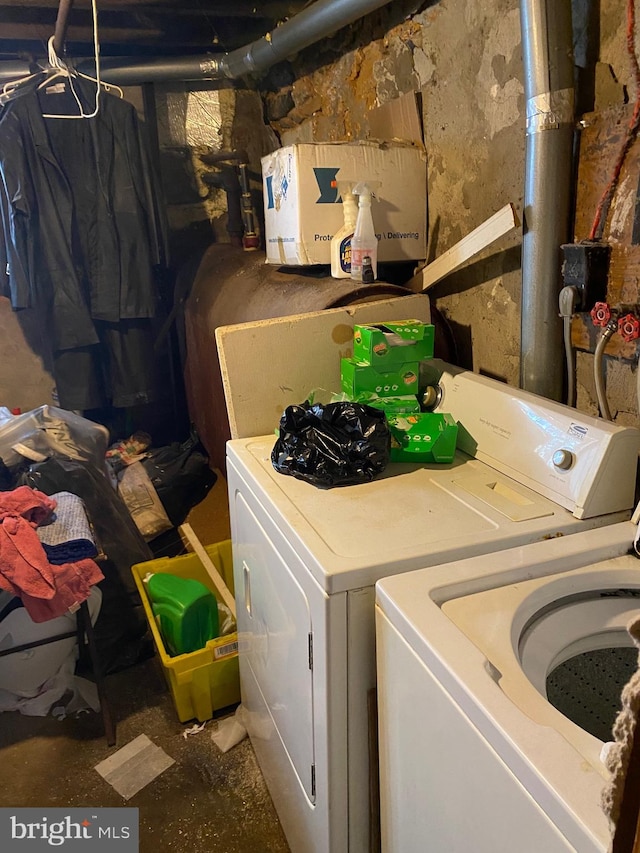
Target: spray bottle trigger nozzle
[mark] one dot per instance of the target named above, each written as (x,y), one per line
(366,188)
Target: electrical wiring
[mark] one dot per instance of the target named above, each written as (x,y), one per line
(602,211)
(570,358)
(567,304)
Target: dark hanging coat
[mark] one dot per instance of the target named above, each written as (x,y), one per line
(83,232)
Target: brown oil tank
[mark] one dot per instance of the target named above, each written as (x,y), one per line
(234,286)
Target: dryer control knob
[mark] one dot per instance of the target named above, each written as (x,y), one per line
(563,459)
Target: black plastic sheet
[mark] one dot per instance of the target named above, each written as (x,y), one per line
(181,476)
(337,444)
(121,630)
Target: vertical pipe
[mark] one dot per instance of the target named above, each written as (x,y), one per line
(549,92)
(60,32)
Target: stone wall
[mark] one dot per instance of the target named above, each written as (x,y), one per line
(464,57)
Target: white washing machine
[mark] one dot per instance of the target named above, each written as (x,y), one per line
(499,678)
(306,561)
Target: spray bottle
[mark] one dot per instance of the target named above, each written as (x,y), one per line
(341,243)
(364,241)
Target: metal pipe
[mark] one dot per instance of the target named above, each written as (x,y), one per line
(321,19)
(60,31)
(549,92)
(227,179)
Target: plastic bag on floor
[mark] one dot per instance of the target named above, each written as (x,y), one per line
(138,492)
(230,731)
(337,444)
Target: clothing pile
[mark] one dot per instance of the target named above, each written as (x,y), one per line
(83,240)
(47,585)
(46,571)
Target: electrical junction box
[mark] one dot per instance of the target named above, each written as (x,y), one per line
(303,206)
(585,266)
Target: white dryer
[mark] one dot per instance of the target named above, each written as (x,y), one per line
(306,561)
(499,678)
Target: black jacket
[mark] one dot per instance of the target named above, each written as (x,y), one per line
(82,224)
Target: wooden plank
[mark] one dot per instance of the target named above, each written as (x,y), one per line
(501,223)
(218,581)
(268,365)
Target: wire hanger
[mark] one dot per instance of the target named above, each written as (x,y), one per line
(57,67)
(61,69)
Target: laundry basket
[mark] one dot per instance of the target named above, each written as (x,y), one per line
(206,680)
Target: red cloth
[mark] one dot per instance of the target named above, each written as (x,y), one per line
(46,590)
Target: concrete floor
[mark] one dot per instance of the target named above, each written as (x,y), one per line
(207,801)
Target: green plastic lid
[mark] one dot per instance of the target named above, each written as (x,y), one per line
(186,612)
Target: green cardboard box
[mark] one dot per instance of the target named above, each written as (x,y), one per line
(357,379)
(391,405)
(423,437)
(386,346)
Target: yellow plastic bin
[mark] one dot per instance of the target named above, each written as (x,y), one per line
(206,680)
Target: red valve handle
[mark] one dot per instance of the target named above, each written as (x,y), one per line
(629,327)
(600,314)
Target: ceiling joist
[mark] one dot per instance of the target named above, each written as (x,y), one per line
(162,27)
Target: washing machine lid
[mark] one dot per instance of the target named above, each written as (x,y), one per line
(559,764)
(526,629)
(411,516)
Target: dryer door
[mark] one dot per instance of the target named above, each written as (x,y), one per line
(274,628)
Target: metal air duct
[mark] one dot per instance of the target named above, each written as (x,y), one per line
(321,19)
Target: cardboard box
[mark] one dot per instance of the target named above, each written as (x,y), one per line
(303,207)
(391,405)
(357,379)
(426,437)
(386,346)
(207,680)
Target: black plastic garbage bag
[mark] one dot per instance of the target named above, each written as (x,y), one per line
(181,476)
(337,444)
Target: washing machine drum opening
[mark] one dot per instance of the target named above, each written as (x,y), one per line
(587,688)
(578,654)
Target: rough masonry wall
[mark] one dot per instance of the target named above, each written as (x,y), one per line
(465,58)
(474,133)
(614,87)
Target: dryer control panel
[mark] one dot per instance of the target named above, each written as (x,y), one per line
(586,464)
